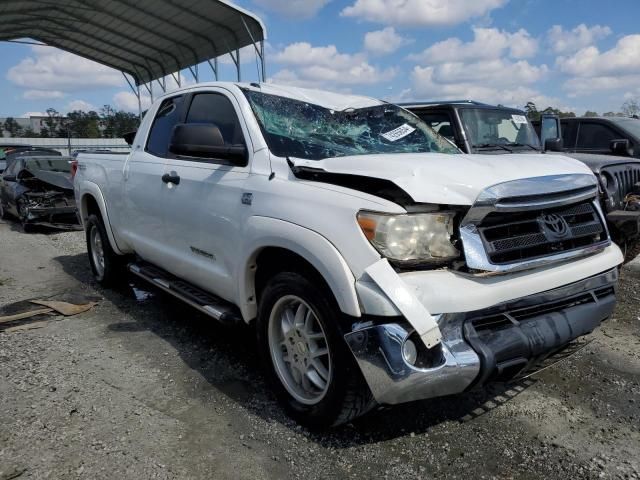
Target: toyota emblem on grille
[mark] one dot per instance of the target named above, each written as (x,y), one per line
(554,226)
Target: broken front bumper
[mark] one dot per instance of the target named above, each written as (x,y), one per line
(56,217)
(494,344)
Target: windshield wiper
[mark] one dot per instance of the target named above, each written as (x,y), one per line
(494,146)
(515,144)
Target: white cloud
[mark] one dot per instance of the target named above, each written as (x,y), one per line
(319,67)
(420,12)
(79,105)
(128,102)
(487,43)
(492,81)
(568,41)
(62,71)
(294,8)
(383,42)
(595,71)
(578,86)
(247,55)
(622,59)
(42,94)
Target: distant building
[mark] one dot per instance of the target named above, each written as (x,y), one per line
(35,123)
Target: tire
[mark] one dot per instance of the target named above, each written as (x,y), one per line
(631,251)
(106,265)
(337,393)
(3,213)
(22,216)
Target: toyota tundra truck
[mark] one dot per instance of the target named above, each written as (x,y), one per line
(377,263)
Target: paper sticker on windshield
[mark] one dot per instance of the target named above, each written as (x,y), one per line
(519,118)
(398,133)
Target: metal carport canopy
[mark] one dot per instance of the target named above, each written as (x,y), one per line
(147,39)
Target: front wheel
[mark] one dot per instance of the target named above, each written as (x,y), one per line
(106,265)
(309,364)
(631,250)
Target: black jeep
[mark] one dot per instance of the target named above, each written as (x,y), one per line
(480,128)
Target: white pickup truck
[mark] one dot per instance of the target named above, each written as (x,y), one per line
(378,264)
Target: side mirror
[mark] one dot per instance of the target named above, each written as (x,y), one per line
(553,145)
(9,178)
(620,147)
(129,137)
(204,140)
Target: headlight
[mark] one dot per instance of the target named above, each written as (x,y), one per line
(410,237)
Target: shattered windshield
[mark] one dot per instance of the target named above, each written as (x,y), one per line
(487,127)
(299,129)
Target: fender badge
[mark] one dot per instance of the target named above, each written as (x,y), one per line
(247,198)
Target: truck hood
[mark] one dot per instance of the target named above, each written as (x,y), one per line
(444,178)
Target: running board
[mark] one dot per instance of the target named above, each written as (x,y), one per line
(207,303)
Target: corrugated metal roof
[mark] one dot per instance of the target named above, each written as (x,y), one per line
(147,39)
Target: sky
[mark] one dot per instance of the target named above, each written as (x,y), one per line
(575,55)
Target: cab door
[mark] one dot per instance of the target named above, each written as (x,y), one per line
(202,199)
(143,188)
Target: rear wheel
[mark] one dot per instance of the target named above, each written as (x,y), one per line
(106,265)
(309,364)
(2,211)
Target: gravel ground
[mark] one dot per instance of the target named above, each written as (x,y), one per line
(144,387)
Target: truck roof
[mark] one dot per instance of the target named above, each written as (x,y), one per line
(323,98)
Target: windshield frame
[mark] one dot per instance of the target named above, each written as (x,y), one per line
(506,147)
(348,144)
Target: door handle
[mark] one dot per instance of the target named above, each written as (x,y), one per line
(168,178)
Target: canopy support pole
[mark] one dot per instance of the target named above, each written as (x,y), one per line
(262,61)
(163,84)
(214,67)
(238,63)
(259,49)
(176,78)
(194,72)
(136,92)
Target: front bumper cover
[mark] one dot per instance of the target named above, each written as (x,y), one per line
(493,344)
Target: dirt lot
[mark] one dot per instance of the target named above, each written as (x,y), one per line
(143,387)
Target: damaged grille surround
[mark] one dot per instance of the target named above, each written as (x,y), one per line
(532,222)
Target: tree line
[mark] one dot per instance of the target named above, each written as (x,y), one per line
(630,108)
(107,123)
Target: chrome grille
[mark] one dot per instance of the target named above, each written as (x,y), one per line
(510,237)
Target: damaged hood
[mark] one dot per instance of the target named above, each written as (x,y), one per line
(443,178)
(55,171)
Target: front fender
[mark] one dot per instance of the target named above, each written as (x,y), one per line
(91,190)
(263,232)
